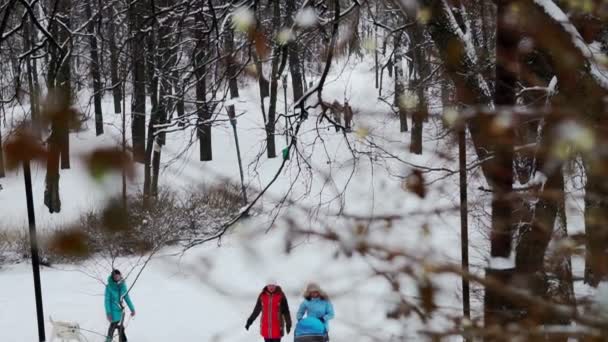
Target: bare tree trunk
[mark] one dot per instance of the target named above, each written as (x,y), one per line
(422,71)
(51,191)
(234,93)
(63,77)
(32,75)
(2,174)
(399,82)
(596,204)
(58,81)
(95,73)
(202,107)
(179,106)
(270,124)
(152,70)
(498,310)
(165,61)
(376,71)
(138,99)
(114,75)
(294,55)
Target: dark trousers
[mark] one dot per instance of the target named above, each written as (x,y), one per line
(272,340)
(121,332)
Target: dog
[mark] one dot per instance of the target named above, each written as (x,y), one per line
(66,331)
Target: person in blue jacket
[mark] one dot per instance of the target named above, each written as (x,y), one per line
(315,308)
(116,292)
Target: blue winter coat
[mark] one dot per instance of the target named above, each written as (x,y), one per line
(310,326)
(115,293)
(317,308)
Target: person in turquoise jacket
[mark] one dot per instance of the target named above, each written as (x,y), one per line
(315,307)
(116,292)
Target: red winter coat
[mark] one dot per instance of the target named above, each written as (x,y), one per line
(275,313)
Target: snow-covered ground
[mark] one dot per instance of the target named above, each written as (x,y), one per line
(207,293)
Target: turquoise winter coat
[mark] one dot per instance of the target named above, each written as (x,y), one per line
(115,293)
(317,308)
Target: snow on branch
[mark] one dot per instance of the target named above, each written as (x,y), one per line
(556,14)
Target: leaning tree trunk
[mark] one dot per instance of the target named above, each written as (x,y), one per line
(399,81)
(95,72)
(234,93)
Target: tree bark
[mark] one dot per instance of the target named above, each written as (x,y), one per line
(297,81)
(399,82)
(95,69)
(114,60)
(62,82)
(138,99)
(422,72)
(203,113)
(270,124)
(165,61)
(32,76)
(2,174)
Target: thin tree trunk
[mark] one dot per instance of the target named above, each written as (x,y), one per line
(498,310)
(165,61)
(114,76)
(95,73)
(180,106)
(596,204)
(422,72)
(399,85)
(138,99)
(294,55)
(31,76)
(2,174)
(270,124)
(63,82)
(152,69)
(232,67)
(51,191)
(124,144)
(376,71)
(202,108)
(234,93)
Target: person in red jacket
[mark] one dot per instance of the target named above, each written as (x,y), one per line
(272,304)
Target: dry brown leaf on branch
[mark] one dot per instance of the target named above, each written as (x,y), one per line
(415,183)
(23,146)
(70,243)
(105,160)
(114,217)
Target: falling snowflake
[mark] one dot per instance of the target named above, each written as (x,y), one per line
(450,116)
(306,17)
(285,36)
(408,100)
(573,137)
(243,19)
(362,132)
